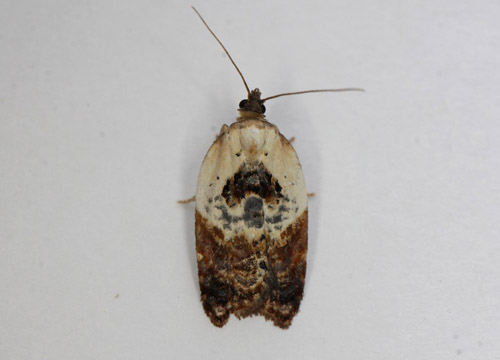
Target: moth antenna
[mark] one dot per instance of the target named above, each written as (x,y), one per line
(227,52)
(312,91)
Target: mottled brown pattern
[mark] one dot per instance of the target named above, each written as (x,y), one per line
(251,278)
(288,263)
(254,179)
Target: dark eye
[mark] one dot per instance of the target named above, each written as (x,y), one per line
(263,108)
(243,103)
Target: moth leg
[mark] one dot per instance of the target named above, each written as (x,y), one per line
(222,131)
(311,194)
(187,201)
(291,140)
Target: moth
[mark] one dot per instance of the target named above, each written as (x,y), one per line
(251,218)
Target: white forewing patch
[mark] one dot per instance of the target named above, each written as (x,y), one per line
(247,142)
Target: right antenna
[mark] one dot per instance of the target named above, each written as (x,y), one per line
(312,91)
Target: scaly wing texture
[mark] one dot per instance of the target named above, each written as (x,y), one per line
(251,225)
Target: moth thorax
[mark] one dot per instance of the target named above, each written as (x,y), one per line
(252,139)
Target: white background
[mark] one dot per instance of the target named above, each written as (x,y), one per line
(108,107)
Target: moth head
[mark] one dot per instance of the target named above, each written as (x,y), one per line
(253,103)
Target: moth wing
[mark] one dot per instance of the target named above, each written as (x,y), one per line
(288,255)
(214,253)
(228,263)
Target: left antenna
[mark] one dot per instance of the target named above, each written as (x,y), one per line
(225,50)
